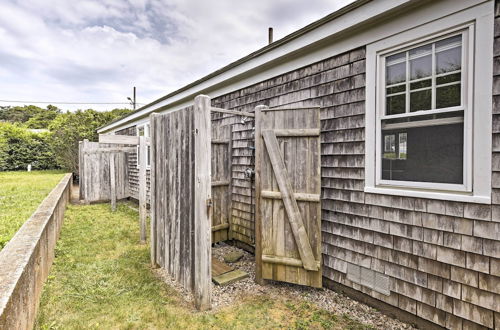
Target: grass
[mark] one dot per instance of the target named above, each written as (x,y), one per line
(20,195)
(101,279)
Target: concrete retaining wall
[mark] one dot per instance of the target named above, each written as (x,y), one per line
(26,260)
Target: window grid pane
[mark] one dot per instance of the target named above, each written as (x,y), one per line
(416,78)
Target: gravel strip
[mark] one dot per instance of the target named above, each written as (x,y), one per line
(186,295)
(329,300)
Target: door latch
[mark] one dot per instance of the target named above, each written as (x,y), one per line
(209,205)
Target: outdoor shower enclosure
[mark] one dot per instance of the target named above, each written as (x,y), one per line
(191,187)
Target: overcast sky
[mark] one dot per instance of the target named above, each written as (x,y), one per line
(97,50)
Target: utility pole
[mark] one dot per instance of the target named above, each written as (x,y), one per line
(132,101)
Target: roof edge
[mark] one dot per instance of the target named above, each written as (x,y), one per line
(260,51)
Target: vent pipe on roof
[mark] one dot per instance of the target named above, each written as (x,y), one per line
(270,35)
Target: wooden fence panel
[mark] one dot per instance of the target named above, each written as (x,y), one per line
(94,169)
(181,196)
(221,176)
(143,155)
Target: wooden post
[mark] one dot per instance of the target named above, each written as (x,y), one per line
(112,180)
(230,189)
(202,203)
(86,174)
(152,191)
(142,188)
(80,169)
(258,224)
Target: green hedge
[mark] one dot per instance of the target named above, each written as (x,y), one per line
(56,148)
(20,147)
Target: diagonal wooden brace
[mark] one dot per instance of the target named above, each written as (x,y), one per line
(291,207)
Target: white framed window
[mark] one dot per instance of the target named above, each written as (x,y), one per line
(424,98)
(424,104)
(144,130)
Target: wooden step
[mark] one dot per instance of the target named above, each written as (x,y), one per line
(219,268)
(230,277)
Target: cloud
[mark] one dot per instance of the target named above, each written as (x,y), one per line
(96,50)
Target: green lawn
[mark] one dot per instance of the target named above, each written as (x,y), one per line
(101,279)
(20,195)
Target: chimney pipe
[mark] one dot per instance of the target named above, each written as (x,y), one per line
(270,35)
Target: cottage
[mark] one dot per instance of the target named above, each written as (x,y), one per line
(406,92)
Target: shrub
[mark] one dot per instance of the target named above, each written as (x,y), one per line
(30,116)
(20,147)
(69,128)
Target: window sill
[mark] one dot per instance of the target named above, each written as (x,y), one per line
(448,196)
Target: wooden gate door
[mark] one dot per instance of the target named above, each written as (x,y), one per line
(95,160)
(288,187)
(221,180)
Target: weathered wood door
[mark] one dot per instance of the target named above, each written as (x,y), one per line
(221,180)
(288,187)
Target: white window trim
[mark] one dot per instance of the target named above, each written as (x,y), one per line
(478,100)
(466,106)
(147,133)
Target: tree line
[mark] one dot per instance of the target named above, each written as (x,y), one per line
(47,138)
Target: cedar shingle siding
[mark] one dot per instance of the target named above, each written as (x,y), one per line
(243,199)
(442,257)
(339,80)
(439,255)
(133,171)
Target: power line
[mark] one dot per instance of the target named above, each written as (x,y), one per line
(55,102)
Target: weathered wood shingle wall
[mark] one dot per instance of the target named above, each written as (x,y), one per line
(440,258)
(133,170)
(321,84)
(243,198)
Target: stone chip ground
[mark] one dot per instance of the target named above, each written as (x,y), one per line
(223,296)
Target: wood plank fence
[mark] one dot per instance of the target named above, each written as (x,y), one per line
(181,197)
(222,145)
(103,168)
(192,189)
(95,160)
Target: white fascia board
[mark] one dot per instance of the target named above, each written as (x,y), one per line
(254,71)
